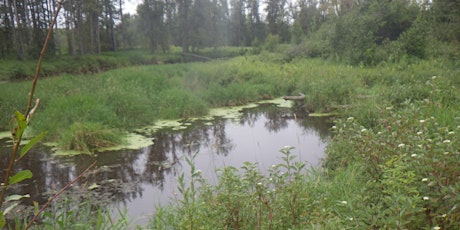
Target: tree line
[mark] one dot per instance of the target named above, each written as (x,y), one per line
(353,29)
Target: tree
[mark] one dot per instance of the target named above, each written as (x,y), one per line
(277,19)
(152,25)
(219,23)
(200,24)
(256,27)
(446,17)
(237,22)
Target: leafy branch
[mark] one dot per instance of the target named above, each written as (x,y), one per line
(18,124)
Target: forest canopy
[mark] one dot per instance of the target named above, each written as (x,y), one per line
(354,31)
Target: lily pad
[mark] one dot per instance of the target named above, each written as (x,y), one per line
(279,102)
(93,186)
(133,141)
(321,114)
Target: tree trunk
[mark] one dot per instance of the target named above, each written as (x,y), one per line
(17,35)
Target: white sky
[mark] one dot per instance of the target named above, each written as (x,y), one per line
(130,6)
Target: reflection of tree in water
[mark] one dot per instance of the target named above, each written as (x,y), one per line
(191,140)
(221,144)
(317,125)
(275,116)
(277,119)
(122,174)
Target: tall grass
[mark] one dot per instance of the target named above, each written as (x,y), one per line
(131,97)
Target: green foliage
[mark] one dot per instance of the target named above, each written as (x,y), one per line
(410,157)
(72,213)
(289,196)
(271,42)
(20,176)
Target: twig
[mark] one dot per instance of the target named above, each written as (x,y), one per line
(11,164)
(58,194)
(40,59)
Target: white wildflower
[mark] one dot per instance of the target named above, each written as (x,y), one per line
(424,179)
(434,77)
(334,127)
(363,130)
(379,133)
(419,133)
(350,119)
(260,183)
(446,141)
(401,145)
(413,155)
(425,198)
(437,228)
(446,153)
(422,121)
(344,202)
(451,133)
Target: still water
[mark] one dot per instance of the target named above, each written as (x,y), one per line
(140,180)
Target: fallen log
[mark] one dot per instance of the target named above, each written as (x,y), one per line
(301,97)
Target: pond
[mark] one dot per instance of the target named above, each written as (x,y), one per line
(140,180)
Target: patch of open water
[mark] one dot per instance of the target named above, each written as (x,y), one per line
(140,180)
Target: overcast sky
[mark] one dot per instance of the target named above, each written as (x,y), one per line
(130,6)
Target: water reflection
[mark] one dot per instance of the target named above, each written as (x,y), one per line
(141,179)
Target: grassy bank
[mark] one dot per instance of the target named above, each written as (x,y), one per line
(17,70)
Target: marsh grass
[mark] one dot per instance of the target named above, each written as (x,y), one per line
(129,98)
(87,137)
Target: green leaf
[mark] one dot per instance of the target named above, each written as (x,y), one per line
(22,123)
(16,197)
(2,220)
(35,207)
(31,143)
(93,186)
(7,210)
(20,176)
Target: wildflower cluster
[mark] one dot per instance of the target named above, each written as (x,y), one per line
(412,163)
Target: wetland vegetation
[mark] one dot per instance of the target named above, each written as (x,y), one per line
(392,162)
(387,70)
